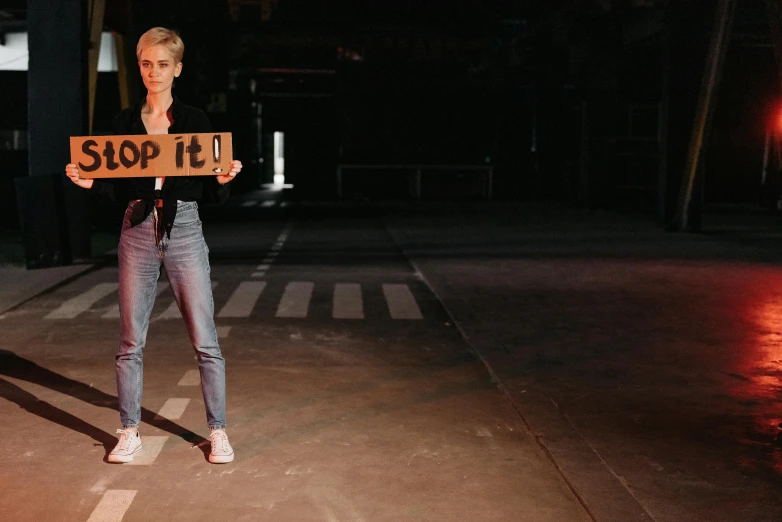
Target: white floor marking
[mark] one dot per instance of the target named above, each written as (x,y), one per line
(249,203)
(173,409)
(191,378)
(295,301)
(172,312)
(348,303)
(82,302)
(242,301)
(274,251)
(401,303)
(150,449)
(113,313)
(223,331)
(112,506)
(268,203)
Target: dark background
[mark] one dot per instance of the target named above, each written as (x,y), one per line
(585,102)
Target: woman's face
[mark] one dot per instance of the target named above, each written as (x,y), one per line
(158,68)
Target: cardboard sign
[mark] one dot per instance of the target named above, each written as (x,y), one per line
(152,155)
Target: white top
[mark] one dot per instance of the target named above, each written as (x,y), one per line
(158,183)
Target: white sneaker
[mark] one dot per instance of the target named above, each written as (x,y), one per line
(128,446)
(222,452)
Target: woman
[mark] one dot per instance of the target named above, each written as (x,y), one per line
(162,227)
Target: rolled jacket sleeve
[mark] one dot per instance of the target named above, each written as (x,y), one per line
(103,190)
(213,192)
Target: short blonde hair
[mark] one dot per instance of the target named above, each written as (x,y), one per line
(162,36)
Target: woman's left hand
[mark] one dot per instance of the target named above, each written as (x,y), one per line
(236,167)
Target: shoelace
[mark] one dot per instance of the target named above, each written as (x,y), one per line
(124,440)
(219,441)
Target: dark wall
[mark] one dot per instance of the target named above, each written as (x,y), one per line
(13,109)
(207,33)
(748,101)
(417,118)
(13,165)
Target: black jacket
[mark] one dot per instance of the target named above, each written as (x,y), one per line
(184,188)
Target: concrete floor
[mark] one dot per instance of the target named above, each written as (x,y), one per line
(377,418)
(648,364)
(565,366)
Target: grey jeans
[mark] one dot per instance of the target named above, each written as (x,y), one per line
(186,259)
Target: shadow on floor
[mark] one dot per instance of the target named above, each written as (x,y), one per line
(11,365)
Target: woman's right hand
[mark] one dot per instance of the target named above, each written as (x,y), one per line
(72,171)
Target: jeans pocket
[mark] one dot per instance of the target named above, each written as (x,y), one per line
(187,218)
(126,217)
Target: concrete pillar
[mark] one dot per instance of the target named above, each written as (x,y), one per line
(53,211)
(690,59)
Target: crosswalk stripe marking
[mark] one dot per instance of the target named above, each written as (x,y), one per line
(401,303)
(242,301)
(348,303)
(82,302)
(191,378)
(113,505)
(273,255)
(268,203)
(262,267)
(151,448)
(172,312)
(268,260)
(113,313)
(295,300)
(223,331)
(172,409)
